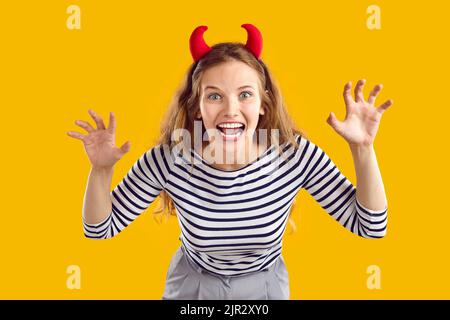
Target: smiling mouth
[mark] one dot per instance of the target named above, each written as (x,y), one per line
(231,131)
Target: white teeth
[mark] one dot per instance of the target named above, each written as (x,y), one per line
(230,125)
(231,136)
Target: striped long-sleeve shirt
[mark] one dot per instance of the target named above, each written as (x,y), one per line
(232,222)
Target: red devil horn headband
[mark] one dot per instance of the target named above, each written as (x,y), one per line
(199,47)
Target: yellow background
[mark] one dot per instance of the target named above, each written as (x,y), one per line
(130,56)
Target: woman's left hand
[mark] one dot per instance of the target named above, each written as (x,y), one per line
(362,118)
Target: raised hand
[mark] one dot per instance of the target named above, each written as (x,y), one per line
(100,143)
(362,118)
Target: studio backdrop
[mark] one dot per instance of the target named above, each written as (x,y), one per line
(61,58)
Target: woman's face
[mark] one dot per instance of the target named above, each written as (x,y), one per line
(230,103)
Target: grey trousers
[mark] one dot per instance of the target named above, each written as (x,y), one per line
(185,280)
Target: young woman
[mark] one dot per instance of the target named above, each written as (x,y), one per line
(233,214)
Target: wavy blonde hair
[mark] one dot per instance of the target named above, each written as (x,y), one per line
(185,105)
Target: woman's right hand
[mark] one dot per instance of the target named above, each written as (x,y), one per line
(100,143)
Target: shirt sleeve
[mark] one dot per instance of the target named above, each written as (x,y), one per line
(137,190)
(323,180)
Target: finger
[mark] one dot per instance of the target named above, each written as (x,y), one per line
(85,125)
(374,93)
(97,119)
(76,135)
(359,97)
(112,122)
(348,93)
(334,123)
(385,105)
(125,147)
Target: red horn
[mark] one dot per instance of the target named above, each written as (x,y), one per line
(197,44)
(254,39)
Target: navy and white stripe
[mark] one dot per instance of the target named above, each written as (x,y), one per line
(232,222)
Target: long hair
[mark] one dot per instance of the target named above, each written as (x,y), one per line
(185,105)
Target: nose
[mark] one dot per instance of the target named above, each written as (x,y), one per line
(232,107)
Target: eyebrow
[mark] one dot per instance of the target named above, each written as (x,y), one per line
(213,87)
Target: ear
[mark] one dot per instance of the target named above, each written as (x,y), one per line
(198,115)
(261,110)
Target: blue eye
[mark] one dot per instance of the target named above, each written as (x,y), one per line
(250,94)
(214,94)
